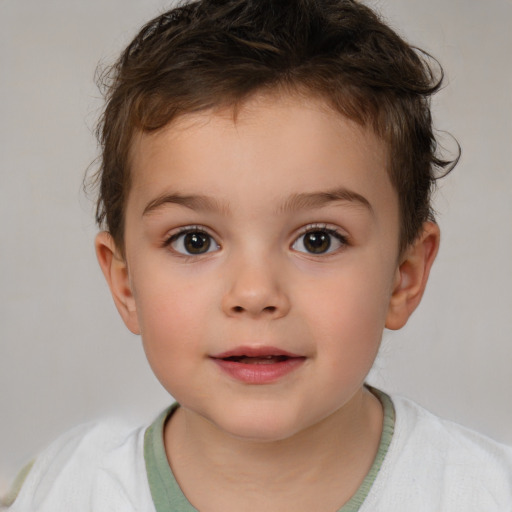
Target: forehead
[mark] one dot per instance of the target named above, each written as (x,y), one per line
(270,147)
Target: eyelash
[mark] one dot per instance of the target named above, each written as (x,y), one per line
(182,232)
(323,228)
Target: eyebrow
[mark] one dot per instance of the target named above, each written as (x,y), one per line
(319,199)
(303,201)
(194,202)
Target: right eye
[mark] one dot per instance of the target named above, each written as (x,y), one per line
(193,242)
(319,240)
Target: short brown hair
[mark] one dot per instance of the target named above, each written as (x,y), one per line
(215,53)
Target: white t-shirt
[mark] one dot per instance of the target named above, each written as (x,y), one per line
(429,465)
(434,465)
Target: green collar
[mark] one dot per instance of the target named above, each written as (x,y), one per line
(168,497)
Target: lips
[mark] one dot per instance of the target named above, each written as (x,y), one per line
(258,365)
(256,352)
(257,360)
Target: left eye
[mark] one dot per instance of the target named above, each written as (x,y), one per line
(193,242)
(319,241)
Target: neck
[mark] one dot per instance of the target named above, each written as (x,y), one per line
(326,462)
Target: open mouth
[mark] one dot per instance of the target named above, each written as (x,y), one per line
(257,360)
(258,365)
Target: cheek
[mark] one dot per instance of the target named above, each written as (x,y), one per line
(173,321)
(349,310)
(172,332)
(349,332)
(169,299)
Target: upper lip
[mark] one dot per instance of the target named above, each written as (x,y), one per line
(260,351)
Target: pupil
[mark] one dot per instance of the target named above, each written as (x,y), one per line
(197,243)
(317,242)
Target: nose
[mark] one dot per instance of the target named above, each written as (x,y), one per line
(255,290)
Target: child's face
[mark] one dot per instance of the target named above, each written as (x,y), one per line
(274,234)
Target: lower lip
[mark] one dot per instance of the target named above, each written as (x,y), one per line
(259,373)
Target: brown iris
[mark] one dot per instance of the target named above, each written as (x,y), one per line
(317,242)
(197,242)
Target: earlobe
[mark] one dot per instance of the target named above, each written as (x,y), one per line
(412,276)
(115,270)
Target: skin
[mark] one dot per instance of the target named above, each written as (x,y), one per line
(309,438)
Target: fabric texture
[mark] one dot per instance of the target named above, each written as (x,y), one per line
(430,465)
(93,468)
(434,465)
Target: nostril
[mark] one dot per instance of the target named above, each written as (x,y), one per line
(268,309)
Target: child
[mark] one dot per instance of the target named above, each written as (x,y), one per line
(265,189)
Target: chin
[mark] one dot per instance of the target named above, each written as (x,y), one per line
(259,425)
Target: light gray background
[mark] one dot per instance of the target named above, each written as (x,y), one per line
(65,356)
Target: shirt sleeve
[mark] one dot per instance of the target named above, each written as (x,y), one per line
(12,494)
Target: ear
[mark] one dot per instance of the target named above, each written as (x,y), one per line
(412,275)
(115,270)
